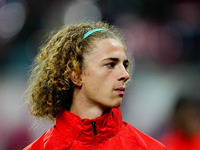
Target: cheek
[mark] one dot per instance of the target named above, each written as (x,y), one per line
(89,78)
(97,78)
(94,82)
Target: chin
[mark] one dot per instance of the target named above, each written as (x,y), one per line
(118,104)
(108,107)
(114,104)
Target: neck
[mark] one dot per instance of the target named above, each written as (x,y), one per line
(84,108)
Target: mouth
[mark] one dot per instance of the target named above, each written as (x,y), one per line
(120,91)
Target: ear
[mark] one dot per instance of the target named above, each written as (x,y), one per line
(76,78)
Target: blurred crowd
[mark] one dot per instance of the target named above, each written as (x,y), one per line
(163,42)
(183,132)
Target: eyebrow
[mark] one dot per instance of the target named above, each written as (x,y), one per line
(116,59)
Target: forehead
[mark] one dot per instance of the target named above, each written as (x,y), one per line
(108,48)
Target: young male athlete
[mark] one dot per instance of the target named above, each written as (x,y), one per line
(79,79)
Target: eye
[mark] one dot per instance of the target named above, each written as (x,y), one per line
(110,65)
(126,66)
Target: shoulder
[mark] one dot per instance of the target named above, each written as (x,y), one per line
(51,139)
(141,138)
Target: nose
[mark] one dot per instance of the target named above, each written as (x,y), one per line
(124,75)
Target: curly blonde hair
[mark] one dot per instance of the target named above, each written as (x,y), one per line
(50,89)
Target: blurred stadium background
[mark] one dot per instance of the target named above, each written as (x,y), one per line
(163,37)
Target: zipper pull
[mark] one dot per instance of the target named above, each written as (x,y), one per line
(94,127)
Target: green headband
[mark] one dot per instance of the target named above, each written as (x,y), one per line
(91,31)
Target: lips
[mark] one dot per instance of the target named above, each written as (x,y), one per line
(120,90)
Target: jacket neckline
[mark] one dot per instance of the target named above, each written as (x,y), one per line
(76,128)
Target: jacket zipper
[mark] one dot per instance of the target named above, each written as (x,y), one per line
(95,133)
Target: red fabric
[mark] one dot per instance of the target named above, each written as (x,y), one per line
(72,132)
(176,140)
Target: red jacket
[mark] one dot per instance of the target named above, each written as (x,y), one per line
(107,132)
